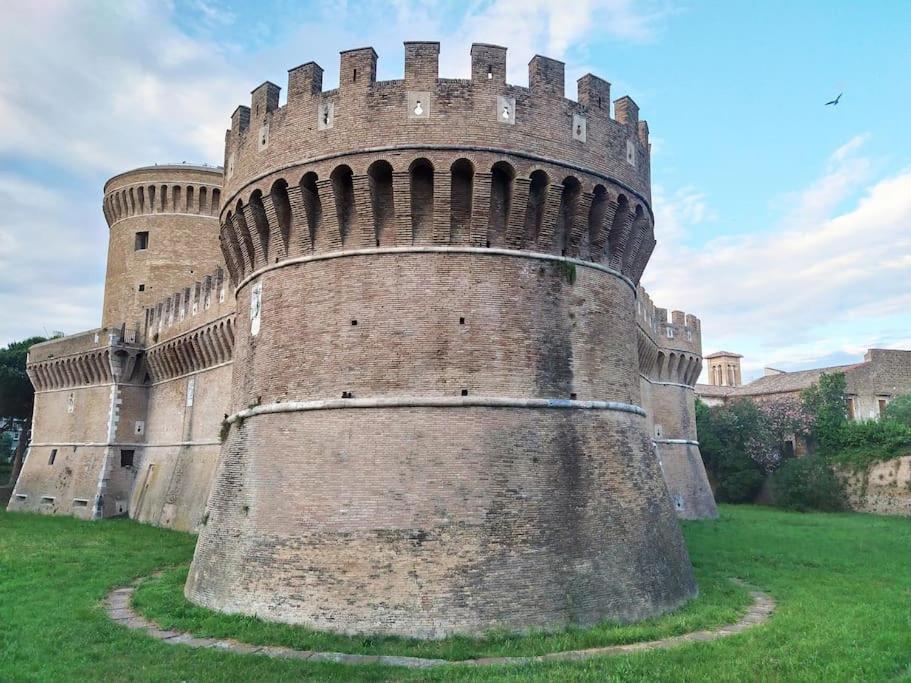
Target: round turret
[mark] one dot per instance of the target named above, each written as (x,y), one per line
(164,230)
(435,420)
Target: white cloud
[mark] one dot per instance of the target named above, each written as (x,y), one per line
(825,266)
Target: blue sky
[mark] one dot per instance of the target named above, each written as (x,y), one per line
(783,224)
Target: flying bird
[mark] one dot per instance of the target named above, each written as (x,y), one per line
(835,101)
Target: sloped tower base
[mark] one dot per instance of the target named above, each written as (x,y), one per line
(426,522)
(687,482)
(411,509)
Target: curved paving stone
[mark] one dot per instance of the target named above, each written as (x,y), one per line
(119,608)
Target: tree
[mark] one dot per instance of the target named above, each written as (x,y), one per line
(728,438)
(784,417)
(17,396)
(826,402)
(899,410)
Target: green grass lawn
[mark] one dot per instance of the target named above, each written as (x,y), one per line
(161,599)
(842,583)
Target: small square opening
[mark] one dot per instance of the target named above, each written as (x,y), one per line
(142,288)
(572,397)
(354,323)
(142,240)
(126,457)
(464,392)
(461,321)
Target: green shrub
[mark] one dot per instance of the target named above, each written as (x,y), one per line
(726,439)
(827,404)
(864,443)
(899,410)
(807,483)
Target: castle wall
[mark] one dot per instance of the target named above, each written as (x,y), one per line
(175,473)
(190,353)
(89,403)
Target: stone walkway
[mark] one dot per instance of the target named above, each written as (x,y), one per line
(119,608)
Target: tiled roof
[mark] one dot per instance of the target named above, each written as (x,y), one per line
(714,391)
(785,382)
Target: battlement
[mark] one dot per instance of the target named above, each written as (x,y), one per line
(426,161)
(189,307)
(163,189)
(670,350)
(99,356)
(682,331)
(483,110)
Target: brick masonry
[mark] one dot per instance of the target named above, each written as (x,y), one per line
(428,249)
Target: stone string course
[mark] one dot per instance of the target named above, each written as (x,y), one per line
(118,606)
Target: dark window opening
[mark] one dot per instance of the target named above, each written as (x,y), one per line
(353,323)
(354,77)
(464,392)
(572,397)
(53,456)
(126,457)
(142,288)
(461,321)
(142,240)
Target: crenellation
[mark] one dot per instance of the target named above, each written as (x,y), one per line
(264,101)
(240,120)
(626,112)
(422,65)
(594,94)
(357,69)
(546,77)
(488,65)
(305,83)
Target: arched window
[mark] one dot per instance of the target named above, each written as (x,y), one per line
(534,212)
(462,188)
(343,188)
(382,203)
(279,195)
(569,204)
(312,205)
(501,177)
(421,200)
(596,216)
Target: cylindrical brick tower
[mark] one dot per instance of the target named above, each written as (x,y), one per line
(163,224)
(670,360)
(435,421)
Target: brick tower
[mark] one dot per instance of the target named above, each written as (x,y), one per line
(435,424)
(163,232)
(670,360)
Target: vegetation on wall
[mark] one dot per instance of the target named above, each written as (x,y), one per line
(743,442)
(17,397)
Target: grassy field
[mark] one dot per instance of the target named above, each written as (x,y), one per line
(842,583)
(161,599)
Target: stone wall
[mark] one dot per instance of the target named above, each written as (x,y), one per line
(884,489)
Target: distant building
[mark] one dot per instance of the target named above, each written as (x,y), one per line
(870,385)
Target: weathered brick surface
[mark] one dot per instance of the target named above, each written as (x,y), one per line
(438,520)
